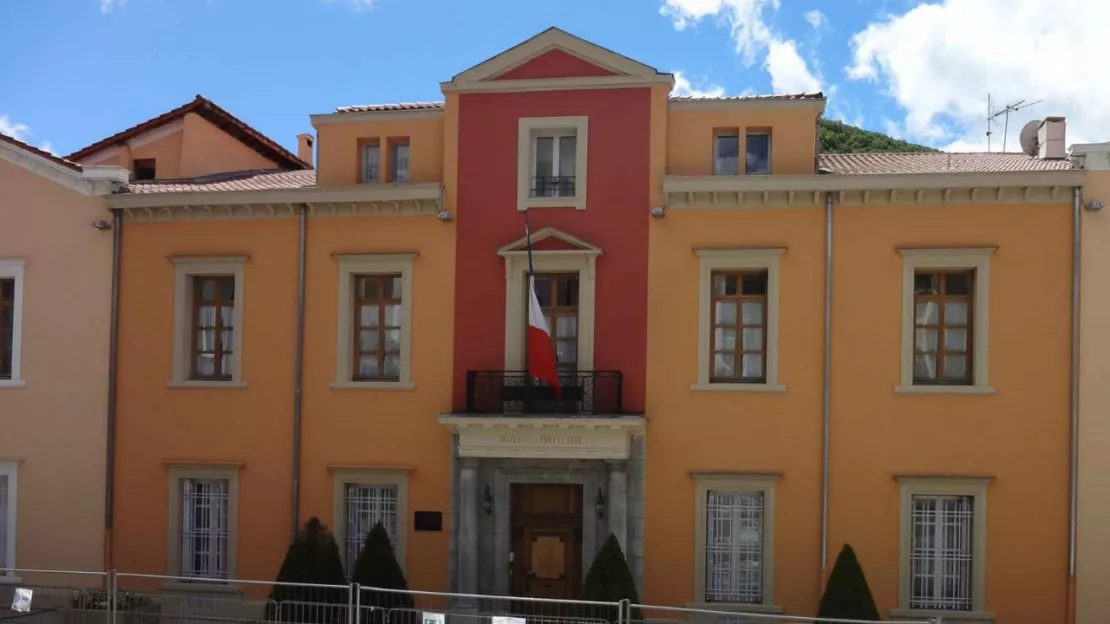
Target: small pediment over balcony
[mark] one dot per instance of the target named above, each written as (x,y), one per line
(554,55)
(550,240)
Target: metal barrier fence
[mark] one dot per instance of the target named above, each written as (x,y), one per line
(57,597)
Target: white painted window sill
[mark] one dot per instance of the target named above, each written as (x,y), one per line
(949,617)
(200,383)
(734,607)
(737,387)
(943,390)
(578,203)
(13,383)
(373,385)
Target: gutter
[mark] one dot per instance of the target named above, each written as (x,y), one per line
(298,365)
(826,389)
(1073,451)
(113,359)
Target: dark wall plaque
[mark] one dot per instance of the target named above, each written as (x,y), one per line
(429,521)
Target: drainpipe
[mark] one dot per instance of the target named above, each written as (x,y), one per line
(113,358)
(826,370)
(298,367)
(1077,203)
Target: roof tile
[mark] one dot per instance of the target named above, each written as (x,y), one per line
(935,162)
(394,106)
(749,98)
(255,180)
(40,152)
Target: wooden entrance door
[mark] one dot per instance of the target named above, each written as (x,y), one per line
(546,540)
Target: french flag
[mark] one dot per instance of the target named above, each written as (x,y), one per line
(541,349)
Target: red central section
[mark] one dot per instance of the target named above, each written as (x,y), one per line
(554,64)
(616,220)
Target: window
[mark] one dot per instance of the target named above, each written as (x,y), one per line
(558,297)
(213,326)
(945,297)
(363,497)
(553,164)
(738,319)
(368,505)
(551,161)
(739,309)
(734,536)
(758,156)
(203,520)
(204,528)
(399,160)
(375,321)
(726,153)
(943,545)
(942,326)
(11,321)
(940,552)
(208,321)
(378,311)
(144,169)
(371,161)
(8,492)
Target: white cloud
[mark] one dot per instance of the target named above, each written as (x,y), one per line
(683,87)
(47,146)
(107,6)
(358,5)
(751,36)
(15,130)
(939,61)
(816,19)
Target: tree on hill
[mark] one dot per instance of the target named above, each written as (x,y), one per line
(847,595)
(840,138)
(312,558)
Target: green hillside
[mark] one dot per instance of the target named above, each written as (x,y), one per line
(840,138)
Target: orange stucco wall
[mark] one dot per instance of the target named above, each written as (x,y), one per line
(55,425)
(1092,601)
(690,136)
(253,425)
(1018,435)
(339,161)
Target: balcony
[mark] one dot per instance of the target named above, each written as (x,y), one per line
(584,393)
(553,186)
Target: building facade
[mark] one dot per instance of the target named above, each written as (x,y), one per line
(765,353)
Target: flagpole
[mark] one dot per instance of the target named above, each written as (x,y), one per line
(528,242)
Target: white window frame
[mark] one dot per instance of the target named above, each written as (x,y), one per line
(176,473)
(527,130)
(958,258)
(940,485)
(349,266)
(10,469)
(185,268)
(709,260)
(375,476)
(763,483)
(13,268)
(366,147)
(744,144)
(717,153)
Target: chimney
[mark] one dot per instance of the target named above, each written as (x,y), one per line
(305,143)
(1050,139)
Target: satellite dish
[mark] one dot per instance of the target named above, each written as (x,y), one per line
(1029,143)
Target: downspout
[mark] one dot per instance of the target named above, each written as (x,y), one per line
(1077,203)
(113,358)
(298,367)
(826,375)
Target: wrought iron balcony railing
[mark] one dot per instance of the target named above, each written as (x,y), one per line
(553,186)
(583,393)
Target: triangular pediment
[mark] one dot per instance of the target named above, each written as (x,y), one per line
(554,53)
(550,240)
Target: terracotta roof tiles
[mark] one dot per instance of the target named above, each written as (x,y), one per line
(40,152)
(935,162)
(749,98)
(256,180)
(394,106)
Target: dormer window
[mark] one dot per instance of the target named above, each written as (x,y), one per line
(551,161)
(757,159)
(399,160)
(726,153)
(144,169)
(553,164)
(371,159)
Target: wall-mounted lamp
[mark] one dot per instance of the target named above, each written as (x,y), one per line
(445,216)
(487,502)
(659,212)
(1094,205)
(600,504)
(101,224)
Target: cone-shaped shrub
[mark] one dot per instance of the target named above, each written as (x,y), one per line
(610,580)
(377,567)
(846,593)
(312,558)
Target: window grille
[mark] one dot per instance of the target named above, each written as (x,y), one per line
(734,547)
(204,528)
(941,552)
(368,505)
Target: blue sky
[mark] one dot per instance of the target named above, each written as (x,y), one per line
(75,71)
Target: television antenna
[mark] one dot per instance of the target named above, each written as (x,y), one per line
(1004,112)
